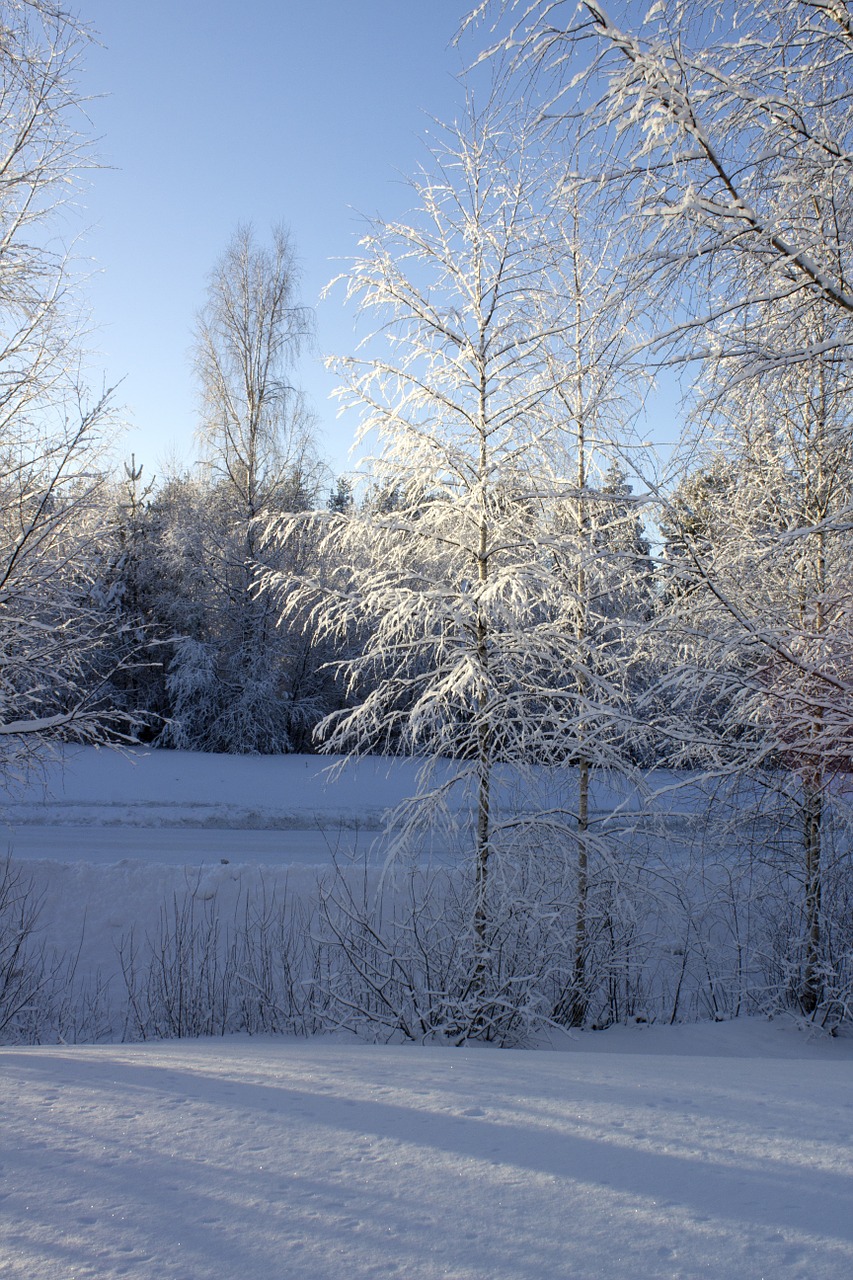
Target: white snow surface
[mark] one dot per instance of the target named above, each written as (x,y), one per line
(107,837)
(186,808)
(715,1151)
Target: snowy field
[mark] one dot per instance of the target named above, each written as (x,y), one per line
(184,808)
(716,1151)
(187,808)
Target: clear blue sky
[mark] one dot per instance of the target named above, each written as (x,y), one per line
(212,114)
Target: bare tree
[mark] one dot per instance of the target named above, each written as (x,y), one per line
(236,686)
(256,433)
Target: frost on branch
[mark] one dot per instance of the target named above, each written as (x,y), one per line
(478,606)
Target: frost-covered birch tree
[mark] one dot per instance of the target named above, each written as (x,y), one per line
(726,131)
(490,392)
(52,502)
(760,608)
(729,141)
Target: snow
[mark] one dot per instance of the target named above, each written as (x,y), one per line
(108,837)
(717,1151)
(712,1150)
(184,808)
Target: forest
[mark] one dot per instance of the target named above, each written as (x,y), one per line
(526,574)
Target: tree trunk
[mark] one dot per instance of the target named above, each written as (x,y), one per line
(578,1004)
(484,737)
(811,992)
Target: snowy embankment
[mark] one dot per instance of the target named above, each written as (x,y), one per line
(171,893)
(184,807)
(108,839)
(714,1151)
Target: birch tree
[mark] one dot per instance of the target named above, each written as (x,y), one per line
(485,389)
(761,613)
(52,633)
(727,135)
(255,430)
(725,132)
(236,684)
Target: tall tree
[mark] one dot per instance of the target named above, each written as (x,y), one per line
(51,631)
(473,599)
(762,614)
(726,135)
(236,686)
(256,433)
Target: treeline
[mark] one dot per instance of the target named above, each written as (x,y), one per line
(197,656)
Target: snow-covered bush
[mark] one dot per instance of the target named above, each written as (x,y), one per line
(404,954)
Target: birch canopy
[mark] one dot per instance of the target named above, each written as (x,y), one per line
(727,132)
(473,405)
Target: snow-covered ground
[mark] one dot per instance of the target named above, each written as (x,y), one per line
(721,1151)
(109,837)
(714,1151)
(186,808)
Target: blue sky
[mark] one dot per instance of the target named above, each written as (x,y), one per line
(209,114)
